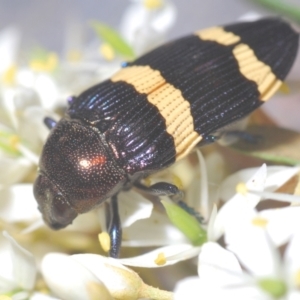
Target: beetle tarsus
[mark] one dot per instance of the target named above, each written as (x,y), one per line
(172,191)
(191,211)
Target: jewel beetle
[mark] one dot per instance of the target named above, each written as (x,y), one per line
(153,112)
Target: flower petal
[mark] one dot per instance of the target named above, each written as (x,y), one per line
(24,268)
(133,207)
(47,91)
(188,288)
(121,282)
(282,224)
(255,178)
(9,40)
(275,177)
(13,169)
(18,204)
(144,28)
(212,234)
(232,208)
(154,231)
(292,261)
(248,238)
(171,255)
(40,296)
(217,266)
(67,278)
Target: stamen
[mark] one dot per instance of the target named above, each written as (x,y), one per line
(14,142)
(178,182)
(9,75)
(104,240)
(241,188)
(260,222)
(297,278)
(284,88)
(153,4)
(160,259)
(46,65)
(107,51)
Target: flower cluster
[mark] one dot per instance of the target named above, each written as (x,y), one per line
(245,246)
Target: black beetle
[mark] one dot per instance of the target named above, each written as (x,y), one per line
(153,112)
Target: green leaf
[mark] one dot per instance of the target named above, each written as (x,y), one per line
(283,8)
(273,286)
(273,144)
(186,223)
(113,38)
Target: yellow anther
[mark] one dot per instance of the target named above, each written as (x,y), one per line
(260,222)
(147,181)
(45,65)
(107,51)
(52,61)
(14,141)
(284,88)
(177,181)
(153,4)
(74,55)
(160,259)
(4,297)
(104,240)
(297,279)
(241,188)
(9,75)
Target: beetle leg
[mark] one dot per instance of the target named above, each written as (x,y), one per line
(208,139)
(242,135)
(229,137)
(49,122)
(114,228)
(161,189)
(191,211)
(172,191)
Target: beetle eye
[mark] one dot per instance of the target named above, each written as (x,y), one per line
(56,210)
(49,122)
(62,214)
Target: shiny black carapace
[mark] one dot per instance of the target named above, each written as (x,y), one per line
(154,111)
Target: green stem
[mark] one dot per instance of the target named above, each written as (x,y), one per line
(150,292)
(291,11)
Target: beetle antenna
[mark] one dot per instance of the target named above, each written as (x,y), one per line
(49,122)
(70,100)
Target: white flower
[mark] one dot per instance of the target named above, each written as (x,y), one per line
(69,277)
(9,44)
(258,184)
(140,232)
(264,276)
(239,206)
(145,23)
(18,205)
(18,270)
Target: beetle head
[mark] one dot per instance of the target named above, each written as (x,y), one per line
(76,173)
